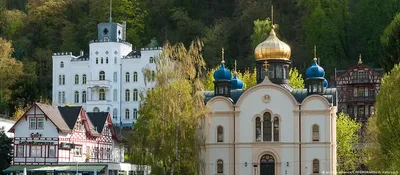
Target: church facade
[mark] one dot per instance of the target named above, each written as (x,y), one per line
(270,128)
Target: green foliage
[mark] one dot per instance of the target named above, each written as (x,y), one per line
(347,143)
(216,37)
(13,22)
(390,42)
(249,78)
(261,31)
(295,79)
(387,122)
(208,80)
(165,135)
(372,154)
(6,151)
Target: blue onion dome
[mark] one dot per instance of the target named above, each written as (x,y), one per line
(315,71)
(222,73)
(325,83)
(236,83)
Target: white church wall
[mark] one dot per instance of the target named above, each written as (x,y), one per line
(311,152)
(309,119)
(215,153)
(245,155)
(288,155)
(220,120)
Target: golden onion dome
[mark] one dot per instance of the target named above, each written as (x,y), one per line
(272,48)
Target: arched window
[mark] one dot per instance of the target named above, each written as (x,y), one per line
(135,114)
(127,77)
(220,134)
(63,79)
(83,96)
(96,109)
(278,71)
(115,60)
(106,60)
(315,166)
(115,77)
(76,99)
(76,79)
(153,76)
(271,72)
(315,133)
(97,60)
(127,114)
(101,60)
(62,64)
(102,94)
(135,95)
(258,129)
(134,76)
(276,129)
(102,75)
(60,80)
(84,79)
(127,95)
(108,109)
(115,113)
(220,166)
(267,127)
(115,95)
(285,72)
(151,60)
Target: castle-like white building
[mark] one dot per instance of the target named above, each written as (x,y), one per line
(108,78)
(271,128)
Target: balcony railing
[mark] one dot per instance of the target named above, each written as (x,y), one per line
(363,98)
(98,102)
(99,83)
(360,80)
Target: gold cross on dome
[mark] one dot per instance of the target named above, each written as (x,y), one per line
(266,65)
(223,61)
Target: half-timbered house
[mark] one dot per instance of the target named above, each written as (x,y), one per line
(47,137)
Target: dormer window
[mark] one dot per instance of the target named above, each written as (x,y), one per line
(105,31)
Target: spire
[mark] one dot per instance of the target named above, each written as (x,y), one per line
(235,72)
(359,59)
(315,53)
(223,61)
(110,10)
(272,17)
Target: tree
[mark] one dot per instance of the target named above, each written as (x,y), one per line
(261,31)
(372,154)
(208,79)
(17,114)
(347,142)
(295,79)
(166,134)
(249,78)
(387,123)
(5,151)
(10,71)
(390,43)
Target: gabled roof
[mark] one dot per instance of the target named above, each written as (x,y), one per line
(70,114)
(54,115)
(98,119)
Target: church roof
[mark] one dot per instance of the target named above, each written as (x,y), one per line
(299,95)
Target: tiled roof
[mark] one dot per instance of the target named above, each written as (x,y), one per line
(55,116)
(98,119)
(70,114)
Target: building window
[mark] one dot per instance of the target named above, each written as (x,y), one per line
(115,95)
(258,129)
(315,133)
(278,71)
(361,74)
(267,127)
(135,76)
(220,134)
(361,110)
(20,150)
(96,109)
(97,60)
(371,92)
(115,60)
(115,113)
(101,61)
(127,95)
(36,123)
(135,113)
(135,95)
(276,129)
(106,60)
(220,166)
(315,166)
(108,153)
(59,79)
(127,114)
(52,151)
(115,77)
(84,97)
(361,91)
(63,97)
(271,72)
(78,151)
(76,79)
(127,77)
(102,94)
(102,75)
(59,97)
(36,151)
(84,79)
(76,99)
(153,76)
(151,60)
(62,64)
(108,109)
(63,79)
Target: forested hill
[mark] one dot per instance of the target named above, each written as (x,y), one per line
(341,29)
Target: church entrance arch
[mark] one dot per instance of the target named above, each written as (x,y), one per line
(267,165)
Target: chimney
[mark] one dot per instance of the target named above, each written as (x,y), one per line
(81,52)
(124,30)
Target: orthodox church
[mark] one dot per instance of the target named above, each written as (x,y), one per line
(271,128)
